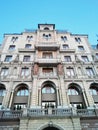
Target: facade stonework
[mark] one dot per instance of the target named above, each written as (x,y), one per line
(48,80)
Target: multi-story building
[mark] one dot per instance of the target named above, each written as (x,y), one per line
(48,80)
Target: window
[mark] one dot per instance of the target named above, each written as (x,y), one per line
(8,58)
(22,92)
(14,39)
(70,72)
(48,89)
(97,55)
(67,58)
(28,46)
(4,71)
(64,38)
(93,91)
(19,106)
(2,91)
(46,36)
(25,72)
(77,39)
(80,48)
(85,58)
(47,55)
(12,47)
(29,38)
(65,46)
(26,59)
(72,91)
(46,28)
(89,71)
(47,70)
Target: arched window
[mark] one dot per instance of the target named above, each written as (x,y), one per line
(93,91)
(22,91)
(48,89)
(46,28)
(2,91)
(72,91)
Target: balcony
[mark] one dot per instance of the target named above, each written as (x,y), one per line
(62,50)
(47,61)
(30,50)
(47,46)
(9,114)
(48,75)
(50,112)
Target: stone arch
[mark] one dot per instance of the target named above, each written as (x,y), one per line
(76,86)
(16,85)
(48,82)
(51,125)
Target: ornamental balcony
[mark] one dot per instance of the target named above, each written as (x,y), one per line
(47,46)
(49,112)
(50,75)
(68,50)
(26,50)
(47,61)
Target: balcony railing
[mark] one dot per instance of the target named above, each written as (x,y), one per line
(47,46)
(86,112)
(47,75)
(47,60)
(26,50)
(50,112)
(10,114)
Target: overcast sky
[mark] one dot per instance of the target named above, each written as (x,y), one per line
(76,16)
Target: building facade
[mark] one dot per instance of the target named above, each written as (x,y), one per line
(48,80)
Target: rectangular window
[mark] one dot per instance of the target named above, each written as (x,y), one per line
(85,58)
(28,46)
(4,71)
(96,55)
(70,72)
(47,70)
(80,48)
(89,71)
(67,58)
(65,46)
(47,55)
(25,72)
(12,47)
(26,59)
(8,58)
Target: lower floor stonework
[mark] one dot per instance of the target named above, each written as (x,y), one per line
(67,123)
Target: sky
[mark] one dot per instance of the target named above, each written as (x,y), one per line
(75,16)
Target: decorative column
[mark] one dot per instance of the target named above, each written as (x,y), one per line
(29,98)
(39,96)
(63,97)
(88,97)
(11,99)
(58,97)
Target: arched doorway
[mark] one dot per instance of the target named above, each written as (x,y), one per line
(48,95)
(50,128)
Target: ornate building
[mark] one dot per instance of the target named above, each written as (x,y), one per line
(48,80)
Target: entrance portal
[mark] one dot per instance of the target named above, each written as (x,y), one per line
(50,128)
